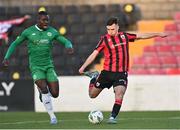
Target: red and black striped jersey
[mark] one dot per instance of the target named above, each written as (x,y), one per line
(116,51)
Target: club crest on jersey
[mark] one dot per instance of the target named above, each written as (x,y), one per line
(97,84)
(122,36)
(109,40)
(49,34)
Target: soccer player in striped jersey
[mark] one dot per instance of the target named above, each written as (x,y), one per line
(115,47)
(40,37)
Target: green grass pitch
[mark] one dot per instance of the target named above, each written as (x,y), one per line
(79,120)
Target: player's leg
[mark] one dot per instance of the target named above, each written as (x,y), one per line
(40,80)
(119,94)
(93,90)
(54,88)
(120,86)
(52,81)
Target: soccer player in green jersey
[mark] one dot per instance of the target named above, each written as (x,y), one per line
(40,37)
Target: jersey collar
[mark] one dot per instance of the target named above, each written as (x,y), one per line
(38,28)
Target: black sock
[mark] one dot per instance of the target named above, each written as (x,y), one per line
(93,80)
(115,110)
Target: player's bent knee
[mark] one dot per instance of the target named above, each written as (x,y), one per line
(92,95)
(55,95)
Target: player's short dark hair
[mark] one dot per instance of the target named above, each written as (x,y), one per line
(112,20)
(42,13)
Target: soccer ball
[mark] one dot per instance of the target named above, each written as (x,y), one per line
(95,117)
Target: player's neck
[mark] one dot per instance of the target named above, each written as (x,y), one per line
(38,28)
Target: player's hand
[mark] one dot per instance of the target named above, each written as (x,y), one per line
(81,70)
(5,64)
(70,50)
(164,35)
(27,16)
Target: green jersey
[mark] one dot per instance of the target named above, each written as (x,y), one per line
(39,45)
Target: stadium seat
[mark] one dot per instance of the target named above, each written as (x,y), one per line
(160,41)
(98,8)
(152,62)
(70,9)
(3,11)
(165,50)
(173,40)
(84,9)
(150,51)
(138,62)
(140,71)
(172,71)
(12,11)
(101,18)
(73,19)
(59,19)
(177,17)
(91,28)
(171,28)
(156,71)
(176,50)
(77,29)
(168,62)
(113,8)
(54,10)
(88,18)
(178,60)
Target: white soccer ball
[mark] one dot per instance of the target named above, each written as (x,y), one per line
(95,117)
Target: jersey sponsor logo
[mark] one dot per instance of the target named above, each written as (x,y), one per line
(42,41)
(113,46)
(49,34)
(33,34)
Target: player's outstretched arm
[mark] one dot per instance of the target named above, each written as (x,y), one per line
(11,49)
(151,35)
(66,43)
(88,61)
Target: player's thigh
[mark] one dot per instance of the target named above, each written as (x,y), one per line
(54,88)
(38,74)
(119,91)
(95,92)
(42,85)
(51,75)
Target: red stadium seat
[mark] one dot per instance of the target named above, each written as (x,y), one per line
(152,62)
(138,62)
(173,40)
(172,71)
(171,28)
(176,50)
(139,71)
(169,62)
(178,60)
(165,50)
(150,51)
(160,41)
(156,71)
(177,16)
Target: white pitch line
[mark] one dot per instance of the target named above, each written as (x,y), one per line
(46,121)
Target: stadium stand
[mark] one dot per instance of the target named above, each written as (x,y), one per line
(83,27)
(163,57)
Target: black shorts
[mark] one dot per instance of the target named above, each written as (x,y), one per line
(107,79)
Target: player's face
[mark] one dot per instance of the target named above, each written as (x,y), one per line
(112,30)
(43,21)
